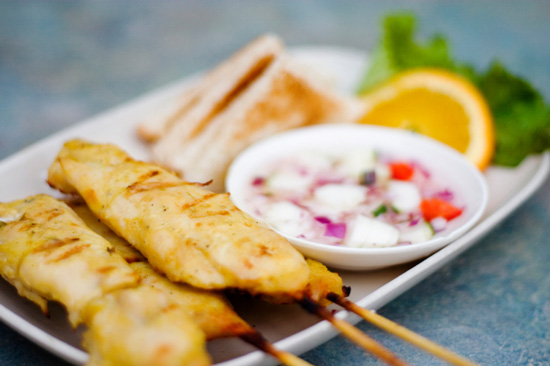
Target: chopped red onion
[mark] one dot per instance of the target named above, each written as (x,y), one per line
(403,243)
(419,167)
(337,230)
(322,219)
(303,171)
(331,228)
(328,180)
(258,181)
(444,195)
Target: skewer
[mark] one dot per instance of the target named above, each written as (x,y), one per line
(318,275)
(256,339)
(195,300)
(149,198)
(353,334)
(401,332)
(108,286)
(229,324)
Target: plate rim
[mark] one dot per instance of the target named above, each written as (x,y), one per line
(312,336)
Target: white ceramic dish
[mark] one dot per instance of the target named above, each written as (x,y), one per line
(446,166)
(289,327)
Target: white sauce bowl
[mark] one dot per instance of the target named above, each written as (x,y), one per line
(445,164)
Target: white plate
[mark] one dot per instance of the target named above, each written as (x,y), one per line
(24,174)
(446,166)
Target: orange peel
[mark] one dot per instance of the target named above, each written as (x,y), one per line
(439,104)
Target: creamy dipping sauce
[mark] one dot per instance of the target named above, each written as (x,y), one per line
(357,199)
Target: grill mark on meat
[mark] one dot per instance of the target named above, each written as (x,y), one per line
(207,213)
(106,269)
(149,186)
(72,251)
(133,260)
(264,250)
(55,243)
(145,176)
(198,201)
(52,214)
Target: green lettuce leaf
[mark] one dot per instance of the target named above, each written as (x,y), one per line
(521,115)
(522,118)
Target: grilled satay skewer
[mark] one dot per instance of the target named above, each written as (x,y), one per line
(209,309)
(214,315)
(189,233)
(48,253)
(135,316)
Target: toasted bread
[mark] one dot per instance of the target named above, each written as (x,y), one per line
(278,94)
(212,91)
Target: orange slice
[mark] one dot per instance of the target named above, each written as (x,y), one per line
(439,104)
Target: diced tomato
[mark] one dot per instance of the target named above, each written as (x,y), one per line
(401,171)
(434,207)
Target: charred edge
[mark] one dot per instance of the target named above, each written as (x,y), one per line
(314,308)
(52,214)
(72,251)
(142,187)
(149,174)
(74,201)
(106,270)
(54,186)
(134,260)
(139,181)
(200,184)
(55,243)
(257,340)
(335,298)
(346,290)
(338,299)
(198,201)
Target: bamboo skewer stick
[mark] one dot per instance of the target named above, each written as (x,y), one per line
(353,334)
(256,339)
(401,332)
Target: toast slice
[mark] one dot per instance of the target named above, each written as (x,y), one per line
(212,91)
(277,95)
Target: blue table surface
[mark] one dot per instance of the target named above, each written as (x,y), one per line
(61,62)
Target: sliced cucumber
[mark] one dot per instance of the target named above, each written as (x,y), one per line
(286,217)
(287,181)
(365,232)
(417,234)
(358,161)
(404,196)
(340,197)
(383,174)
